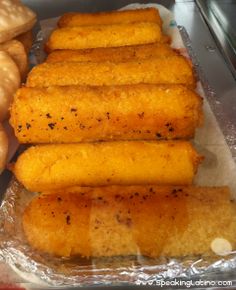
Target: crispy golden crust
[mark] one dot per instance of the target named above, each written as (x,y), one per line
(112,17)
(113,54)
(165,39)
(48,167)
(170,70)
(74,114)
(119,221)
(103,36)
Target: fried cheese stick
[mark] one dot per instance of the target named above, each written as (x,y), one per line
(113,54)
(74,113)
(103,36)
(136,220)
(111,17)
(170,70)
(48,167)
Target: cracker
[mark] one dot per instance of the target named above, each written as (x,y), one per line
(10,82)
(15,19)
(17,52)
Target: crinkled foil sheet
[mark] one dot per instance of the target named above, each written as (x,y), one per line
(62,272)
(82,272)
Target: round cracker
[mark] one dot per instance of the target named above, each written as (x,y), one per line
(9,83)
(17,52)
(15,19)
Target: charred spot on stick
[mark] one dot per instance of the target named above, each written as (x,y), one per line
(19,128)
(51,125)
(27,126)
(126,221)
(48,116)
(174,192)
(68,219)
(141,115)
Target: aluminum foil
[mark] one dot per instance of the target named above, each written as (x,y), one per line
(83,272)
(63,272)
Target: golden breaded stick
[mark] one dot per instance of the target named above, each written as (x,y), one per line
(4,148)
(74,113)
(111,17)
(137,220)
(113,54)
(48,167)
(103,36)
(165,39)
(170,70)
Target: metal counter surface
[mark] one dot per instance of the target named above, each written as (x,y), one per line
(210,58)
(220,16)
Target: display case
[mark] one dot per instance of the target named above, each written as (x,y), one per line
(218,83)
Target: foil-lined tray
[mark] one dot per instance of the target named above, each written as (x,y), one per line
(63,272)
(84,272)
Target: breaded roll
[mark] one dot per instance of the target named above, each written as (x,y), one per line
(170,70)
(49,167)
(137,220)
(103,36)
(74,113)
(165,39)
(113,54)
(111,17)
